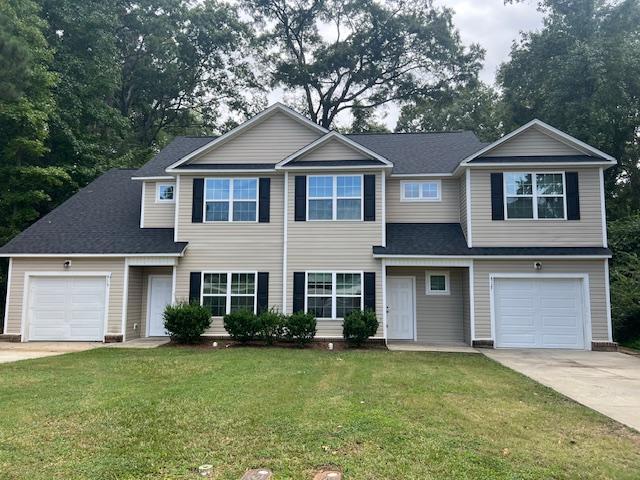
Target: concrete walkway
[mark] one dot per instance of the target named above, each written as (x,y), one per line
(608,382)
(15,351)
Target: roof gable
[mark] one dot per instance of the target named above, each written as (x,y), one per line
(537,139)
(266,138)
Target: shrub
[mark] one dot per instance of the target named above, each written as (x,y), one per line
(359,325)
(185,322)
(271,325)
(300,327)
(241,325)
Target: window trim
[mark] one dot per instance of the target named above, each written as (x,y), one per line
(447,284)
(534,194)
(231,199)
(165,184)
(228,294)
(334,200)
(334,295)
(421,199)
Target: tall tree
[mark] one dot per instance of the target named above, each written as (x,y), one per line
(580,74)
(335,53)
(474,106)
(364,121)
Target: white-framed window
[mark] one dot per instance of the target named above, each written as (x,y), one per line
(335,197)
(165,192)
(332,295)
(437,282)
(226,292)
(230,200)
(421,191)
(535,196)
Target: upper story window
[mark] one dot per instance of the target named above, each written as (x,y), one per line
(333,294)
(165,192)
(334,197)
(423,191)
(231,200)
(535,195)
(228,292)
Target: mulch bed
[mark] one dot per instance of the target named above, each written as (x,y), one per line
(339,345)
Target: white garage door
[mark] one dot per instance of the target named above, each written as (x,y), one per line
(66,308)
(539,313)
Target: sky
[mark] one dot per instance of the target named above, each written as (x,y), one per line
(490,23)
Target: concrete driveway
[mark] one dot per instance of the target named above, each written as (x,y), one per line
(12,352)
(608,382)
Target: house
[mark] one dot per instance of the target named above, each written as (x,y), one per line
(449,239)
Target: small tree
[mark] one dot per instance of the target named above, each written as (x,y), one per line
(301,328)
(358,326)
(186,322)
(242,325)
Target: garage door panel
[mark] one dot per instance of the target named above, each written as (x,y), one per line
(66,308)
(538,313)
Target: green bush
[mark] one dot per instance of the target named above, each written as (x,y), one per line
(186,322)
(271,325)
(358,326)
(300,327)
(242,325)
(625,297)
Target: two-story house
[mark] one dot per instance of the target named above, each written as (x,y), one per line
(450,240)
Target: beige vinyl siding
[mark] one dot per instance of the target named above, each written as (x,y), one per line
(539,233)
(231,247)
(326,246)
(594,268)
(268,141)
(134,304)
(21,265)
(462,185)
(439,318)
(532,142)
(156,214)
(333,150)
(447,210)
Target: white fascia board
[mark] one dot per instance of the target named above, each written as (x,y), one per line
(497,257)
(88,255)
(240,128)
(165,177)
(341,167)
(334,136)
(543,126)
(185,171)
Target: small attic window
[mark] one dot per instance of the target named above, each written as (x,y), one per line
(165,193)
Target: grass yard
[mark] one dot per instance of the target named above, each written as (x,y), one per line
(115,413)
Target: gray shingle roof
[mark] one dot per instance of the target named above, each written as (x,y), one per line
(448,239)
(410,152)
(102,218)
(421,152)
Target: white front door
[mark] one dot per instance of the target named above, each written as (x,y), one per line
(159,297)
(400,308)
(539,312)
(66,308)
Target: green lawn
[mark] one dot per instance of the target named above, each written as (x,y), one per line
(114,413)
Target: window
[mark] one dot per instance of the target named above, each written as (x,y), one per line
(437,283)
(334,197)
(164,192)
(333,294)
(534,195)
(420,191)
(231,200)
(224,293)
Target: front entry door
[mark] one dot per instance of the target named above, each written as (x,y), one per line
(401,308)
(159,298)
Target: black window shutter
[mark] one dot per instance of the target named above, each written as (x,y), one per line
(194,287)
(369,198)
(497,197)
(370,291)
(301,198)
(264,198)
(298,292)
(198,199)
(573,196)
(263,291)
